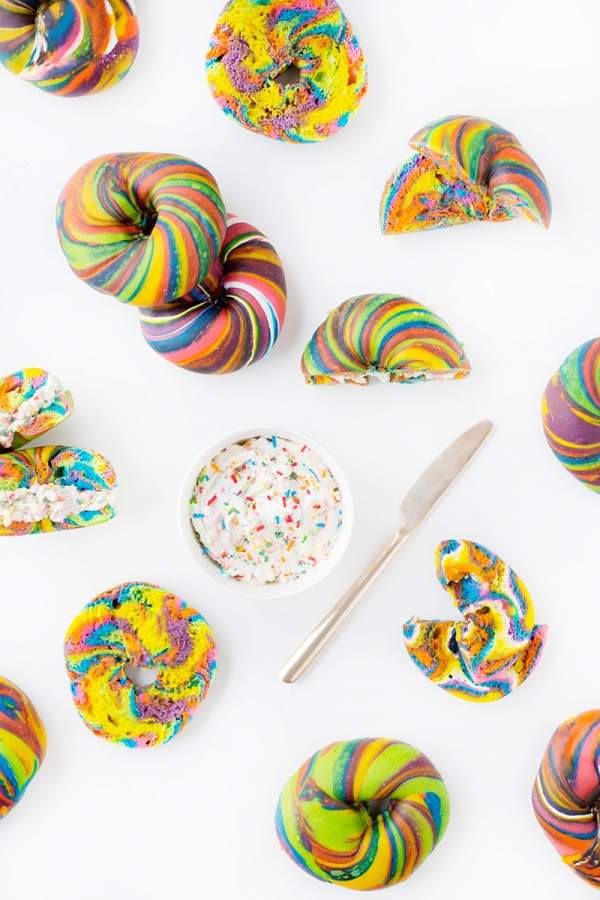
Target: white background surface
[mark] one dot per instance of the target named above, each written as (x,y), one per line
(194,818)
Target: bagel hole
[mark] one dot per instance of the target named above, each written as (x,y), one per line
(141,677)
(148,222)
(377,807)
(291,75)
(592,799)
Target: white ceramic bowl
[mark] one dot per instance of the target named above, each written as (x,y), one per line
(264,591)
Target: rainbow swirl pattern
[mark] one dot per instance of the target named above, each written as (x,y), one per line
(571,414)
(70,468)
(231,322)
(69,47)
(394,338)
(144,227)
(139,625)
(323,821)
(465,169)
(497,645)
(255,41)
(566,794)
(23,387)
(22,744)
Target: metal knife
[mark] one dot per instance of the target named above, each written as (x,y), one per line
(416,504)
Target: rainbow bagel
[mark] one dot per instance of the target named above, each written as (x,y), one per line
(230,323)
(144,227)
(32,402)
(54,489)
(496,646)
(566,794)
(69,47)
(465,169)
(255,41)
(571,414)
(393,338)
(22,744)
(324,822)
(139,625)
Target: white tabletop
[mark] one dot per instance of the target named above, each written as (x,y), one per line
(195,817)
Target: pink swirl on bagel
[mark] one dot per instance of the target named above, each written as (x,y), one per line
(233,318)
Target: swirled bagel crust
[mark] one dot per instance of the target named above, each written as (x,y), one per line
(465,169)
(256,41)
(68,47)
(566,794)
(383,335)
(22,744)
(144,227)
(324,824)
(229,323)
(571,414)
(140,625)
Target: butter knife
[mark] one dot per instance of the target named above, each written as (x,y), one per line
(416,504)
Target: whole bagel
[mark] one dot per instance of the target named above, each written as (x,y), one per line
(571,414)
(144,227)
(566,794)
(144,626)
(326,826)
(230,321)
(69,47)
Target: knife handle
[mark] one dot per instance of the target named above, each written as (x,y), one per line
(316,640)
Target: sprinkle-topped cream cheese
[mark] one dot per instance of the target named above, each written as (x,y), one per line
(266,510)
(45,395)
(50,501)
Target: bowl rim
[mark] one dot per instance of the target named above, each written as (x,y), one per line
(211,569)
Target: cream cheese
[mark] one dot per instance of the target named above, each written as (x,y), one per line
(50,501)
(12,422)
(266,510)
